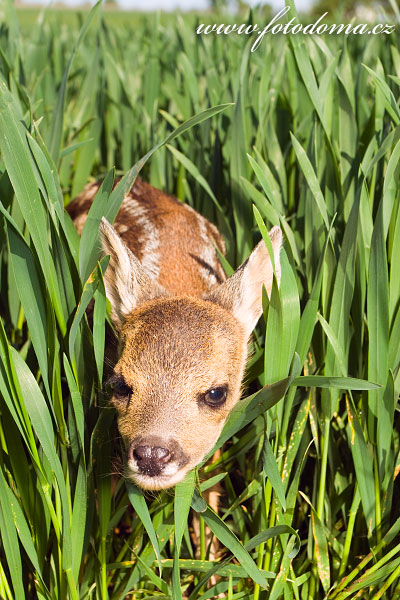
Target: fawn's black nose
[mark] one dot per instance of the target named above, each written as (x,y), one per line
(151,460)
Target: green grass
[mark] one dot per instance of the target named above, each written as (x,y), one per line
(304,133)
(68,17)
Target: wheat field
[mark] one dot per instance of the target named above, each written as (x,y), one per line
(303,133)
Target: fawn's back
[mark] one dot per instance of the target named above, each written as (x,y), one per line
(173,242)
(183,329)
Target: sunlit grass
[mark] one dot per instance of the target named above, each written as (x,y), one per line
(303,133)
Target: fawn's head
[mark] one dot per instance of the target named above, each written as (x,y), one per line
(181,359)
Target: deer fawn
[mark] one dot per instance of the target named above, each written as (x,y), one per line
(183,329)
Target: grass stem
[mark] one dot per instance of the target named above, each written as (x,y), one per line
(378,510)
(349,533)
(202,538)
(392,578)
(324,464)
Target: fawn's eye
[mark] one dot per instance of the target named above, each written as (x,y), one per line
(120,388)
(216,396)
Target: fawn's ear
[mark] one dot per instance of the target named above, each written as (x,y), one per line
(127,282)
(242,292)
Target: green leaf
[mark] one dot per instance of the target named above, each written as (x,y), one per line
(311,178)
(198,503)
(248,409)
(89,246)
(267,181)
(195,173)
(308,318)
(390,101)
(30,291)
(17,158)
(341,383)
(249,491)
(122,189)
(363,465)
(76,399)
(56,132)
(99,327)
(10,539)
(378,321)
(342,297)
(43,427)
(279,583)
(78,521)
(139,504)
(321,547)
(272,472)
(88,292)
(228,539)
(183,498)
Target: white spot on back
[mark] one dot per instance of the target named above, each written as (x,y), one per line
(149,235)
(207,254)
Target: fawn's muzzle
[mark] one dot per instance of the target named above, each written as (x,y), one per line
(151,460)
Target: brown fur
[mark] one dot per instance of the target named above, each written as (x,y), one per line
(183,329)
(202,347)
(178,229)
